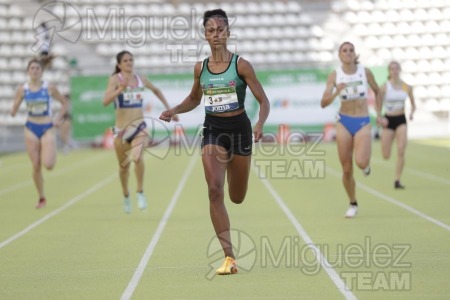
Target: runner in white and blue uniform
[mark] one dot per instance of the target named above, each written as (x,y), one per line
(350,83)
(39,134)
(220,82)
(126,90)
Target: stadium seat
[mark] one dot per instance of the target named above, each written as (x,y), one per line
(291,19)
(424,3)
(290,33)
(434,91)
(375,29)
(420,91)
(274,46)
(338,6)
(426,53)
(385,54)
(392,15)
(284,57)
(417,27)
(409,66)
(327,44)
(440,52)
(372,42)
(257,58)
(294,7)
(365,17)
(409,79)
(299,57)
(16,63)
(398,53)
(403,28)
(366,5)
(435,14)
(389,28)
(317,31)
(437,65)
(267,7)
(445,104)
(412,53)
(274,32)
(254,8)
(305,19)
(300,45)
(428,39)
(420,14)
(387,42)
(350,17)
(406,15)
(432,105)
(14,23)
(400,41)
(302,31)
(414,40)
(326,56)
(353,5)
(360,30)
(424,66)
(14,11)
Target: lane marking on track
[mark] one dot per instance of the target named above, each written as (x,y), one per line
(334,276)
(422,174)
(58,210)
(128,293)
(55,173)
(392,200)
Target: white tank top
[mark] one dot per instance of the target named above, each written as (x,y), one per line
(394,99)
(356,84)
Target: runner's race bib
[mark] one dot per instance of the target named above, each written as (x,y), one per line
(37,108)
(353,90)
(133,96)
(219,100)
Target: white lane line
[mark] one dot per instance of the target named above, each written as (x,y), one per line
(337,280)
(393,201)
(162,224)
(58,172)
(422,174)
(59,210)
(428,176)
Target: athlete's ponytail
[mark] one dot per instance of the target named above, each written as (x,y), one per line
(44,61)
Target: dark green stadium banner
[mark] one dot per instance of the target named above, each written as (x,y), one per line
(90,117)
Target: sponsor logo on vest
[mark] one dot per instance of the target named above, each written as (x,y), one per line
(220,107)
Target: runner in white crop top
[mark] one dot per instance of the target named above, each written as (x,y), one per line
(394,93)
(350,82)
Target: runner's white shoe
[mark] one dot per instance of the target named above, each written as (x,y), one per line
(351,211)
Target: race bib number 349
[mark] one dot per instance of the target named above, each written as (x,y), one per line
(221,99)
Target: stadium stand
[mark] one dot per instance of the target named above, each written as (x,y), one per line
(271,34)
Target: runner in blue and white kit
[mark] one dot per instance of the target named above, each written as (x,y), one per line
(220,82)
(350,82)
(126,90)
(40,137)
